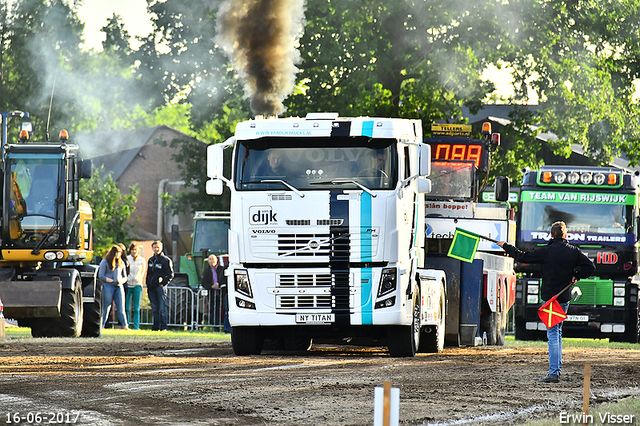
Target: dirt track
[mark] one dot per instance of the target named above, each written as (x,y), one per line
(112,382)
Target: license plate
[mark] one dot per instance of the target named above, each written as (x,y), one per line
(578,318)
(315,318)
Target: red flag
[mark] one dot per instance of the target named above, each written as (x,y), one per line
(551,313)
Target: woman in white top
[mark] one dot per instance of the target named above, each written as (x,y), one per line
(138,267)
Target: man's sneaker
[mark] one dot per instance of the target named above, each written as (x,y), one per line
(551,378)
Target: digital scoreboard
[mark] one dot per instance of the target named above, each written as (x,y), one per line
(453,143)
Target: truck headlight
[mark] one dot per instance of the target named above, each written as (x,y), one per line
(618,301)
(387,281)
(242,284)
(533,289)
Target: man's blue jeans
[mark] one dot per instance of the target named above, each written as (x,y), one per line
(158,300)
(554,335)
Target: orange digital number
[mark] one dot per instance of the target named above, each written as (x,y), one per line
(459,152)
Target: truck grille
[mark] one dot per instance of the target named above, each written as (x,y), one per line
(310,245)
(317,286)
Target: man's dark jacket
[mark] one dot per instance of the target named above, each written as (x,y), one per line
(159,271)
(560,262)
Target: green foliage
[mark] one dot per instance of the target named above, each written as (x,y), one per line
(412,59)
(111,210)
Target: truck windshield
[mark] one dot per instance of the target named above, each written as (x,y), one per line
(586,222)
(451,180)
(33,212)
(315,163)
(212,236)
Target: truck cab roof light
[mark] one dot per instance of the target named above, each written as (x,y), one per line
(559,177)
(599,178)
(486,128)
(573,178)
(546,177)
(24,135)
(64,135)
(612,179)
(586,178)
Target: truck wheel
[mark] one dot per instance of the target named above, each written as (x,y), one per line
(93,320)
(432,339)
(489,325)
(501,331)
(69,324)
(246,340)
(71,313)
(403,341)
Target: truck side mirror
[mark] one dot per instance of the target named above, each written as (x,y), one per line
(85,169)
(502,188)
(214,161)
(424,185)
(425,160)
(214,187)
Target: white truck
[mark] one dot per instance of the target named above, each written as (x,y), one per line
(327,234)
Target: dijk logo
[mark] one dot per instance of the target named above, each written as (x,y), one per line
(262,215)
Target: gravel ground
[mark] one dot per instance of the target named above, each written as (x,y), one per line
(113,381)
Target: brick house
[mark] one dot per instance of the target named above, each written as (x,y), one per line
(134,157)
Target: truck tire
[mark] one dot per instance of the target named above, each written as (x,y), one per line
(93,319)
(71,312)
(501,331)
(69,324)
(432,338)
(246,340)
(403,340)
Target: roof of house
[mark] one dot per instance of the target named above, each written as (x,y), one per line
(116,149)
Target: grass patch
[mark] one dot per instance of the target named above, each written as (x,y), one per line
(567,342)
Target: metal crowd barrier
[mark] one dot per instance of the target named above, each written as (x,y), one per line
(188,309)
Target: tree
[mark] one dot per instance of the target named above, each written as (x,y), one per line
(111,210)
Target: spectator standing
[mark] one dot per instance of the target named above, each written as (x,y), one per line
(125,260)
(213,278)
(562,264)
(159,275)
(138,267)
(112,274)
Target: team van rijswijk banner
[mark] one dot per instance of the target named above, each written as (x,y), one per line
(574,209)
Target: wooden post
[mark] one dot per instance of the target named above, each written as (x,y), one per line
(386,405)
(586,392)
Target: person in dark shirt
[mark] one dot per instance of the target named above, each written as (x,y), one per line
(159,275)
(213,278)
(562,264)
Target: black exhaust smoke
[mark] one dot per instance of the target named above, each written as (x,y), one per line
(260,37)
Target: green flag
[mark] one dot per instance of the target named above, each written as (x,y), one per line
(464,245)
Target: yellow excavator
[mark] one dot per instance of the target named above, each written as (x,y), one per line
(46,282)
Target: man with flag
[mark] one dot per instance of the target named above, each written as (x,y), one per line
(562,265)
